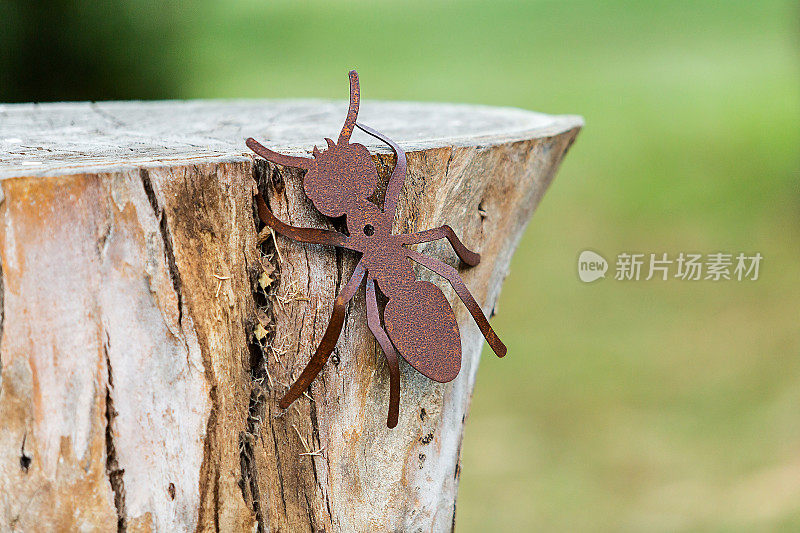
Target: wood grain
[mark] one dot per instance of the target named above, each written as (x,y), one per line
(147,336)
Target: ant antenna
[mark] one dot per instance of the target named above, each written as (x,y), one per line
(352,112)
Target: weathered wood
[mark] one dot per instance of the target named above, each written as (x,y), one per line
(146,337)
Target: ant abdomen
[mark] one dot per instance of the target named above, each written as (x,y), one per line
(422,325)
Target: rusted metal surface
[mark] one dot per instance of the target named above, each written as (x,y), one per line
(418,322)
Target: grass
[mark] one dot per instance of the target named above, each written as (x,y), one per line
(623,406)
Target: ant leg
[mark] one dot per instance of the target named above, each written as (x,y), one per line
(444,232)
(392,359)
(310,235)
(451,275)
(275,157)
(329,339)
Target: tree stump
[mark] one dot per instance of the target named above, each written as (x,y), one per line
(147,336)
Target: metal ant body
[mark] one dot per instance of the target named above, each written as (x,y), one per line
(419,322)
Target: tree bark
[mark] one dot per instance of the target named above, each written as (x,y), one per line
(146,336)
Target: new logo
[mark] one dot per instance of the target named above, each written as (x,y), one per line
(591,266)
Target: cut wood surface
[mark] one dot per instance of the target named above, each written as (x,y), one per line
(146,337)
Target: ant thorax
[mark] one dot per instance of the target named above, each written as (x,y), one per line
(365,220)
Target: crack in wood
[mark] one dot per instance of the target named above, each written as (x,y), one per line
(257,409)
(210,471)
(24,459)
(216,503)
(114,472)
(161,216)
(249,471)
(2,316)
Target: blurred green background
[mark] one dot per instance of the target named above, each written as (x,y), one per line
(638,406)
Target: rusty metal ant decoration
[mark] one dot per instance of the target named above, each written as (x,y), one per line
(418,319)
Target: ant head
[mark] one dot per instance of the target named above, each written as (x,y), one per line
(340,176)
